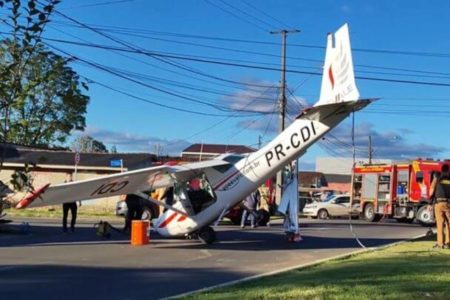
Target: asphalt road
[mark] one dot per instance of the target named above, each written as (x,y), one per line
(44,263)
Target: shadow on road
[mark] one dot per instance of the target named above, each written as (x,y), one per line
(91,282)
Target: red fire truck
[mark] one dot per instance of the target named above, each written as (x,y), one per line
(398,190)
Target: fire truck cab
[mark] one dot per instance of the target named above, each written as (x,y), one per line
(398,190)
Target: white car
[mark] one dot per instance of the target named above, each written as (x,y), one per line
(334,206)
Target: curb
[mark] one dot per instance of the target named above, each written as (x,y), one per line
(300,266)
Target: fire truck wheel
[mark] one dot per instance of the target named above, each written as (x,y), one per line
(425,216)
(322,214)
(207,235)
(370,215)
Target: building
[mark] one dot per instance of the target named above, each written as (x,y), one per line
(339,182)
(342,165)
(311,179)
(200,152)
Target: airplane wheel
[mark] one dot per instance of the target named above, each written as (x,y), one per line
(207,235)
(147,214)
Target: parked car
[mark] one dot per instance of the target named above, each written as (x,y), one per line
(334,206)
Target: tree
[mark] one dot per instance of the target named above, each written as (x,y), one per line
(113,149)
(41,97)
(88,144)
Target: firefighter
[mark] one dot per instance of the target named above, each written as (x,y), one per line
(440,191)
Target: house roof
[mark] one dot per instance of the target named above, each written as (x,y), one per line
(217,149)
(30,155)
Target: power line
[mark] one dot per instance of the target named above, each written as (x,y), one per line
(236,16)
(246,13)
(108,70)
(225,119)
(140,50)
(157,54)
(118,29)
(439,75)
(267,15)
(99,4)
(131,32)
(235,83)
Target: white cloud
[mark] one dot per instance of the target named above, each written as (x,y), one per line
(126,142)
(262,97)
(390,144)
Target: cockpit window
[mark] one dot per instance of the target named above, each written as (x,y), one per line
(233,158)
(195,194)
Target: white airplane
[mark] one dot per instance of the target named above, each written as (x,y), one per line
(205,191)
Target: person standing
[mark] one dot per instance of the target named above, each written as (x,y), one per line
(70,206)
(440,191)
(249,209)
(135,209)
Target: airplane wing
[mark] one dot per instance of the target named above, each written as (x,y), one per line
(114,185)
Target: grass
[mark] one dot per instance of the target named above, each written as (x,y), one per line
(411,270)
(56,212)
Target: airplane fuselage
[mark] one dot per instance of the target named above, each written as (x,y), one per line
(246,176)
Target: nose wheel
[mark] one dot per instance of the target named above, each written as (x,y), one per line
(207,235)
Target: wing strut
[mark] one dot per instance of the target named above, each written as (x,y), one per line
(157,202)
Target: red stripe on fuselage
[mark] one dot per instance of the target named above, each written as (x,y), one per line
(225,180)
(168,220)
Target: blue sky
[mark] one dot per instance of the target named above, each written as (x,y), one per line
(393,40)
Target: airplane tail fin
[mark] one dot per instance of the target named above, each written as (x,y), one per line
(338,79)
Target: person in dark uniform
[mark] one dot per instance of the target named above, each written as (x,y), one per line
(440,191)
(135,210)
(72,207)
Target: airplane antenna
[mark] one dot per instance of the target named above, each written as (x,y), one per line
(282,102)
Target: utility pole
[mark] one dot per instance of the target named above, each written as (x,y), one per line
(282,102)
(370,150)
